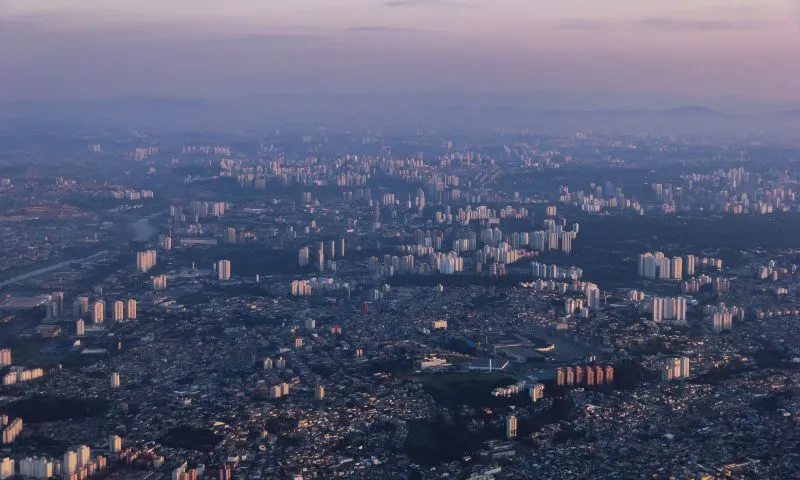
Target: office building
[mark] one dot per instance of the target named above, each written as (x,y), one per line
(115,380)
(118,311)
(511,427)
(131,304)
(224,270)
(99,312)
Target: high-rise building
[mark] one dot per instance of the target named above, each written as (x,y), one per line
(667,373)
(80,328)
(691,262)
(669,308)
(593,296)
(159,282)
(82,305)
(685,367)
(6,468)
(341,249)
(680,310)
(675,368)
(166,242)
(115,380)
(115,444)
(321,257)
(570,375)
(11,431)
(511,427)
(267,363)
(722,321)
(302,257)
(590,380)
(310,323)
(579,375)
(560,377)
(55,306)
(38,468)
(599,375)
(5,357)
(131,304)
(224,270)
(145,260)
(84,455)
(99,312)
(276,392)
(609,374)
(118,312)
(319,392)
(677,268)
(536,392)
(230,235)
(69,464)
(658,309)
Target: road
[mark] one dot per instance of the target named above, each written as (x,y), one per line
(42,271)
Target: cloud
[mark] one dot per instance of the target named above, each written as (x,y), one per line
(580,25)
(384,29)
(424,3)
(703,25)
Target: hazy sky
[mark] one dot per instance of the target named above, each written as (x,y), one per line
(58,49)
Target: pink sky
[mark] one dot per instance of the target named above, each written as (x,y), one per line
(94,48)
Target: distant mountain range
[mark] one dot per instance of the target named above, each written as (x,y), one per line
(548,113)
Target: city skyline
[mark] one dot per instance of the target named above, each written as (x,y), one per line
(373,46)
